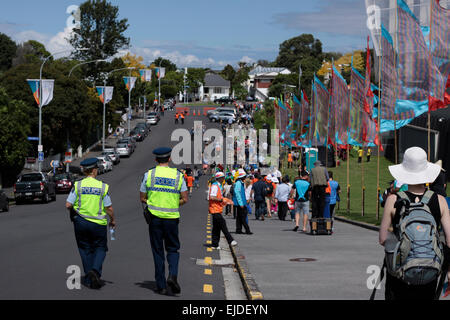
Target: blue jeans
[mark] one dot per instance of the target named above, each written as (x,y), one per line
(164,235)
(92,243)
(260,209)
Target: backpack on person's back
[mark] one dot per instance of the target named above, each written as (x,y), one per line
(417,256)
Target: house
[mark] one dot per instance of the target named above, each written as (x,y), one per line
(261,78)
(215,87)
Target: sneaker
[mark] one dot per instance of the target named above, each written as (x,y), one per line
(233,243)
(216,248)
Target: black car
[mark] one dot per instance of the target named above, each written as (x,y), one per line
(145,126)
(137,135)
(226,100)
(4,204)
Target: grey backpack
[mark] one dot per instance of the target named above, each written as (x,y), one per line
(417,257)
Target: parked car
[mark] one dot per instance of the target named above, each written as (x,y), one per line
(106,162)
(64,182)
(137,134)
(101,168)
(153,120)
(145,126)
(113,155)
(142,132)
(130,142)
(220,109)
(156,114)
(224,116)
(226,100)
(123,150)
(31,186)
(4,204)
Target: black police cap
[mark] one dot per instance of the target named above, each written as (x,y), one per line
(90,163)
(162,152)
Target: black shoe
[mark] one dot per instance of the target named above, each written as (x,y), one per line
(249,232)
(239,232)
(295,229)
(173,284)
(95,282)
(163,291)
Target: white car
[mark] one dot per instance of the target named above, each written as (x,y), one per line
(123,150)
(107,163)
(152,120)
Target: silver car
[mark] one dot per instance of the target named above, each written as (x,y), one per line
(152,120)
(113,155)
(123,150)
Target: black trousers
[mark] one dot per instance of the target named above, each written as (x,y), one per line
(318,201)
(219,224)
(241,215)
(282,210)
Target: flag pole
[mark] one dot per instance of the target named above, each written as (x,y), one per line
(348,146)
(396,84)
(429,81)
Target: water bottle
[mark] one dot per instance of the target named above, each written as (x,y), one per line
(112,232)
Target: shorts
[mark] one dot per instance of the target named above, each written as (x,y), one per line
(302,208)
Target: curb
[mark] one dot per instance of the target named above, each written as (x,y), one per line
(357,223)
(251,288)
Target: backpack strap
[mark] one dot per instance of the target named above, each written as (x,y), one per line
(427,196)
(402,195)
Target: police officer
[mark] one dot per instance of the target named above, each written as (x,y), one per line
(164,190)
(90,204)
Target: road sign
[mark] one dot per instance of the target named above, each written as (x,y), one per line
(68,157)
(33,138)
(40,148)
(41,157)
(54,163)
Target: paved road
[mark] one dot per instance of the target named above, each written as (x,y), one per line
(37,242)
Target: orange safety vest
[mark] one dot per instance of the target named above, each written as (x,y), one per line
(177,116)
(216,206)
(328,188)
(182,116)
(290,157)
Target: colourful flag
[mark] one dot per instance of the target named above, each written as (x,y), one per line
(321,108)
(105,92)
(160,72)
(340,104)
(440,50)
(47,90)
(129,82)
(146,75)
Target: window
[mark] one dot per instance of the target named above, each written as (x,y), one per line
(218,90)
(206,90)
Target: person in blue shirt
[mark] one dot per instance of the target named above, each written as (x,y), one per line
(301,192)
(240,202)
(334,195)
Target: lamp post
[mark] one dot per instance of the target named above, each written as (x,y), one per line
(104,103)
(40,98)
(80,64)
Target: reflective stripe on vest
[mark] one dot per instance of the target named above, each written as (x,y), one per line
(98,215)
(163,192)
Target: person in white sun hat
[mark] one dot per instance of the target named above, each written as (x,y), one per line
(416,172)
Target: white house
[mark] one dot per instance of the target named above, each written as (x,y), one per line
(215,87)
(261,78)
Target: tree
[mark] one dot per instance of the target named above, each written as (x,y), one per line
(100,31)
(30,52)
(195,77)
(164,63)
(7,52)
(14,129)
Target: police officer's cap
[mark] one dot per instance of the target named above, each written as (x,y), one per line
(162,152)
(90,163)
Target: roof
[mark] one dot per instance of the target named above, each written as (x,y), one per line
(262,70)
(214,80)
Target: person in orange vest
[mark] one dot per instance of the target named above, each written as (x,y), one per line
(182,118)
(216,205)
(176,118)
(190,183)
(290,160)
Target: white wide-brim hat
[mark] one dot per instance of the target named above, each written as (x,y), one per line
(415,169)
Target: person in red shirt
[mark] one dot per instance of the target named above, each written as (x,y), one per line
(190,183)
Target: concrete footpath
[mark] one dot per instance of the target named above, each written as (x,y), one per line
(287,265)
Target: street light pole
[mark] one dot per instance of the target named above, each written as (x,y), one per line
(159,87)
(40,98)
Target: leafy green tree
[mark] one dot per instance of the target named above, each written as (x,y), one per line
(283,83)
(30,52)
(14,129)
(195,77)
(164,63)
(7,52)
(100,31)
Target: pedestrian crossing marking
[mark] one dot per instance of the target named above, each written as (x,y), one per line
(208,271)
(207,288)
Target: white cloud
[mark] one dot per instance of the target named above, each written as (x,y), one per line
(246,59)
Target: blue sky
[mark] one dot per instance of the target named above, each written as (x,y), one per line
(202,32)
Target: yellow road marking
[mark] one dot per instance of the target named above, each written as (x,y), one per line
(208,237)
(209,249)
(208,231)
(208,271)
(208,242)
(208,260)
(207,288)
